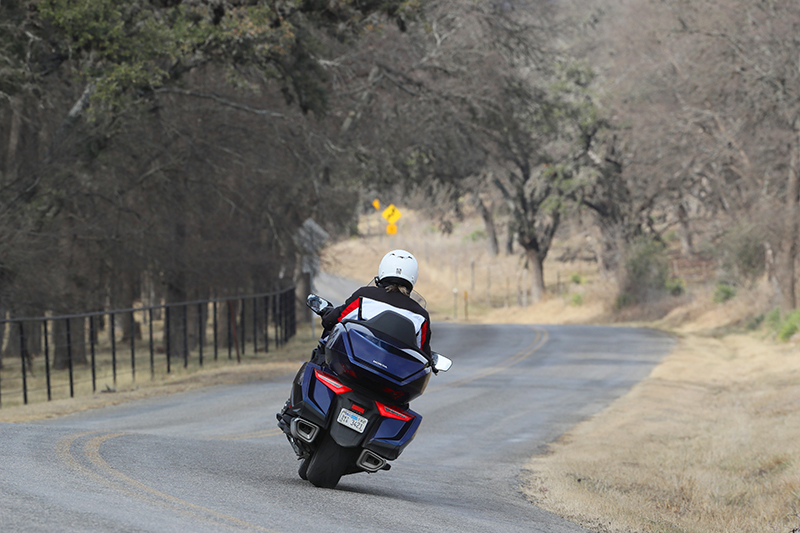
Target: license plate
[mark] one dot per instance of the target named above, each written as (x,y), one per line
(353,421)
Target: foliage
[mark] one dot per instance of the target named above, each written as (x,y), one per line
(789,326)
(646,270)
(675,286)
(723,293)
(773,319)
(741,254)
(577,299)
(475,236)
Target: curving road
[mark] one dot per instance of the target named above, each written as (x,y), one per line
(213,460)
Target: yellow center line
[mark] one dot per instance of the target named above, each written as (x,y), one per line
(127,485)
(63,451)
(92,451)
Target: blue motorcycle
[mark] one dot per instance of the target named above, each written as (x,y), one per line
(350,413)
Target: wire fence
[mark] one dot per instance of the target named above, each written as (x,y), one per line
(67,356)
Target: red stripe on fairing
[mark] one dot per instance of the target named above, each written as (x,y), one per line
(350,308)
(423,332)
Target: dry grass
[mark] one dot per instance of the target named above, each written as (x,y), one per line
(252,368)
(461,261)
(709,442)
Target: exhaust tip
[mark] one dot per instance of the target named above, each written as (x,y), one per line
(304,430)
(370,461)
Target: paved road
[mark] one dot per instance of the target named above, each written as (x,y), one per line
(212,460)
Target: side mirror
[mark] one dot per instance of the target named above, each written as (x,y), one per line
(441,363)
(317,304)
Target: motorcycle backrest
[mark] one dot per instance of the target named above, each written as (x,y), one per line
(393,325)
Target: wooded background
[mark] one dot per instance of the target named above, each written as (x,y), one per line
(169,150)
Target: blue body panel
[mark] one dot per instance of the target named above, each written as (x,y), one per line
(396,372)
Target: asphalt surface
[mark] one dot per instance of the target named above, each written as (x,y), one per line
(213,459)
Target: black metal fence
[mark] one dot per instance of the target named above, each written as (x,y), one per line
(64,356)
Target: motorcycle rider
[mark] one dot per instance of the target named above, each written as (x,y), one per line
(397,275)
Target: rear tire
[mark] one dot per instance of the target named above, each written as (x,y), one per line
(304,468)
(329,463)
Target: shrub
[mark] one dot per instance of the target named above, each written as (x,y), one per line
(790,326)
(646,270)
(577,299)
(576,279)
(724,292)
(773,320)
(475,236)
(624,300)
(741,254)
(675,286)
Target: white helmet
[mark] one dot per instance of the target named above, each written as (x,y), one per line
(399,266)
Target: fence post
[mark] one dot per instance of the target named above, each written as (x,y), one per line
(276,318)
(69,358)
(22,353)
(214,311)
(266,324)
(287,306)
(133,349)
(200,333)
(112,332)
(152,351)
(92,340)
(293,311)
(242,320)
(185,335)
(230,330)
(167,337)
(255,325)
(47,362)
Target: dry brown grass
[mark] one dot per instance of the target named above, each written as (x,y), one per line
(709,442)
(264,366)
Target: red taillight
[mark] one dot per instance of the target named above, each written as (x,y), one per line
(331,383)
(358,409)
(393,412)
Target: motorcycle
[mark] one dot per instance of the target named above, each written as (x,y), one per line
(349,413)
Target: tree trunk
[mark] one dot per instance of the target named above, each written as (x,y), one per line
(488,222)
(510,239)
(684,231)
(536,265)
(791,225)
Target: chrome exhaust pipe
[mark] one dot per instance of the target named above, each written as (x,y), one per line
(304,430)
(370,461)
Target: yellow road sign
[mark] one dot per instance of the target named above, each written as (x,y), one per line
(391,229)
(391,214)
(376,203)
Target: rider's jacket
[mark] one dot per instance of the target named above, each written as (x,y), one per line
(368,302)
